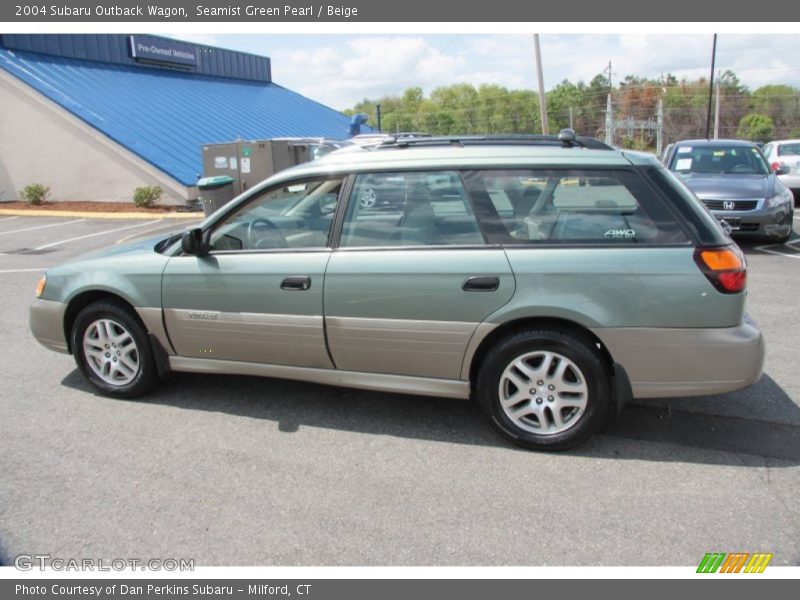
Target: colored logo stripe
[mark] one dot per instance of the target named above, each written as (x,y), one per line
(758,563)
(711,562)
(733,563)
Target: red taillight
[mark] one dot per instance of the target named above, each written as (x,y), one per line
(725,268)
(733,281)
(775,166)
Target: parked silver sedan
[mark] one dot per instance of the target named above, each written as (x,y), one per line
(784,158)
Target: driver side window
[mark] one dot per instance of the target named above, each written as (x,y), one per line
(298,214)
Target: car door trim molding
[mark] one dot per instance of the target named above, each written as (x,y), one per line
(379,382)
(293,338)
(432,349)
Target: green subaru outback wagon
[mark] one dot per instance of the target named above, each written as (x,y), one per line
(550,279)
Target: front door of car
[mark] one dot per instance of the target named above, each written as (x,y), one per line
(257,295)
(412,277)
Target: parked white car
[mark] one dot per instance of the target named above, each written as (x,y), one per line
(784,158)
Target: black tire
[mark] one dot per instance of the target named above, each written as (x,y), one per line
(143,378)
(590,370)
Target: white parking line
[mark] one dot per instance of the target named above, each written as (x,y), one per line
(90,235)
(22,270)
(154,230)
(8,219)
(40,227)
(766,248)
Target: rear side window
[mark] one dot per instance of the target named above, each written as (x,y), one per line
(696,216)
(789,149)
(427,208)
(571,206)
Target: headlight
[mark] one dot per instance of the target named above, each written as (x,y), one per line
(40,286)
(785,197)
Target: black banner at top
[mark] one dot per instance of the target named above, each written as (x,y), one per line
(73,11)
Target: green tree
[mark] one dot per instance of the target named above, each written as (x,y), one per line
(756,127)
(560,99)
(779,103)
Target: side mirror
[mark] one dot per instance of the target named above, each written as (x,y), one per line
(192,242)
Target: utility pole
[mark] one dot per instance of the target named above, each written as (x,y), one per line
(660,127)
(608,69)
(716,113)
(571,126)
(609,109)
(711,86)
(540,76)
(609,122)
(378,110)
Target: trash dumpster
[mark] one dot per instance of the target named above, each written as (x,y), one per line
(215,192)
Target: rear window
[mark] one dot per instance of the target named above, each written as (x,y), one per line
(571,206)
(789,149)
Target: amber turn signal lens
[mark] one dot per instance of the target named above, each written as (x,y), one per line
(40,286)
(721,260)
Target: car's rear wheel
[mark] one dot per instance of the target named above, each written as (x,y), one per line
(546,389)
(112,350)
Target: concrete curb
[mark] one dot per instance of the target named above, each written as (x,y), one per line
(18,212)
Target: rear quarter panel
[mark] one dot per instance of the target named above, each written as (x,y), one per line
(658,287)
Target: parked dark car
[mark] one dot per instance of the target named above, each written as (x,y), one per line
(735,182)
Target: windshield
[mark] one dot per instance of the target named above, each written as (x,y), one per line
(719,159)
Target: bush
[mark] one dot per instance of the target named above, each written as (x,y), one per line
(35,193)
(147,195)
(755,127)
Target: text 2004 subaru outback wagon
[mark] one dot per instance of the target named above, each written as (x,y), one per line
(548,278)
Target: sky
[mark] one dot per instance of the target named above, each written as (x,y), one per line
(341,70)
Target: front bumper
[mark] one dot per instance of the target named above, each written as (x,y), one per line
(775,222)
(664,363)
(46,320)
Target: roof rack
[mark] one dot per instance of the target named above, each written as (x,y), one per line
(566,138)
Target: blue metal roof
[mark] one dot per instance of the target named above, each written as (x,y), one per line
(166,116)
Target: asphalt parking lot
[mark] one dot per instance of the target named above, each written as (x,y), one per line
(241,471)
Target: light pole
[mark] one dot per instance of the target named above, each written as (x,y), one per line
(542,99)
(711,86)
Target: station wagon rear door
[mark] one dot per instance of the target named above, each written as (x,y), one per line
(411,278)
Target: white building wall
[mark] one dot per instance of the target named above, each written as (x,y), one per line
(40,142)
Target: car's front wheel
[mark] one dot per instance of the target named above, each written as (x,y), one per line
(112,350)
(545,389)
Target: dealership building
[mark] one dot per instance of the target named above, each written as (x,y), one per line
(96,116)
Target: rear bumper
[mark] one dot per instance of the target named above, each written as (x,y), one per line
(686,362)
(46,319)
(791,181)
